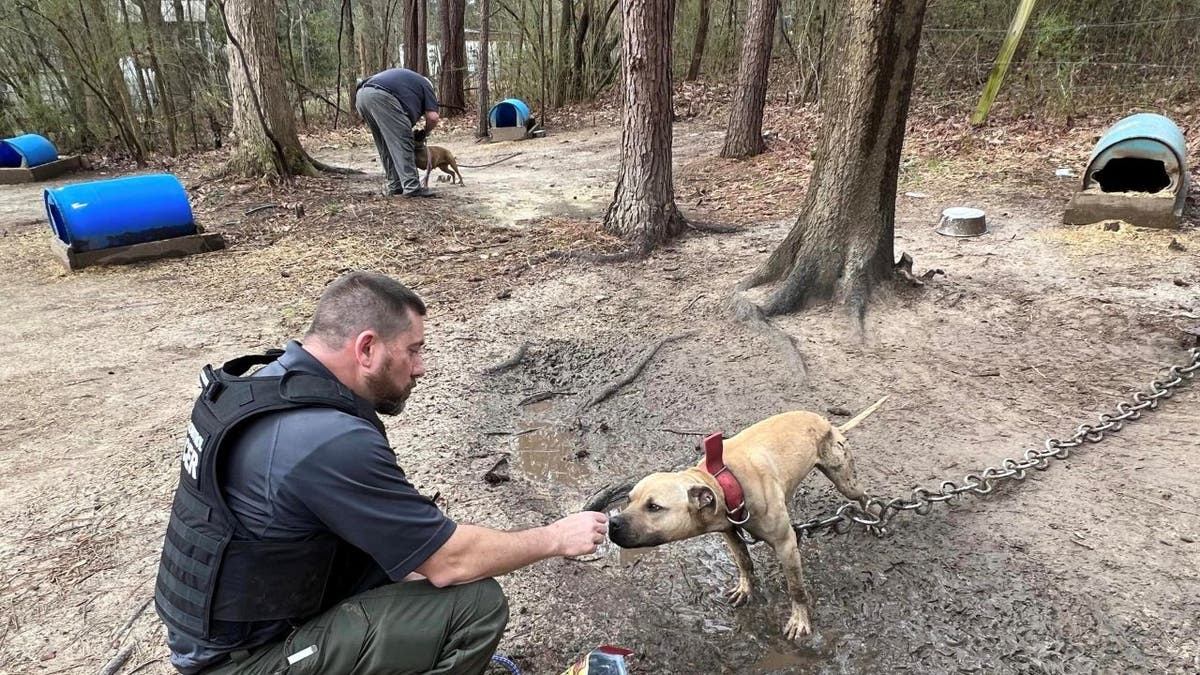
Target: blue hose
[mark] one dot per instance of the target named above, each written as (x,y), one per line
(507,663)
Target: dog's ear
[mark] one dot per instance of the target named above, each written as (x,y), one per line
(701,497)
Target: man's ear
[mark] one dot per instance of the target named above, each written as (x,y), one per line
(701,497)
(366,348)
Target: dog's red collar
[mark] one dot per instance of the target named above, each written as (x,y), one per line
(731,489)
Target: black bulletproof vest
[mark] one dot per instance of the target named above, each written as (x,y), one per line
(211,568)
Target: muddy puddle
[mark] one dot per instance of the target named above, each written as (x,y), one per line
(547,450)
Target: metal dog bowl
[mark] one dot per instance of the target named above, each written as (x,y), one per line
(962,221)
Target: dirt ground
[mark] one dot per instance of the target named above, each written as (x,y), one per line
(1091,566)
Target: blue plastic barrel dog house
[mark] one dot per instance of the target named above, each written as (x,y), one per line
(1142,153)
(119,212)
(507,120)
(26,151)
(511,112)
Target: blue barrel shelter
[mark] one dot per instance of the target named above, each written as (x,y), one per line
(1137,172)
(507,120)
(31,157)
(26,151)
(124,220)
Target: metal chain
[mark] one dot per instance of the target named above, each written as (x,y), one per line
(875,513)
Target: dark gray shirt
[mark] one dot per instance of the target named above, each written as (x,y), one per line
(293,474)
(409,87)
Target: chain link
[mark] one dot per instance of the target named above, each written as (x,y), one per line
(875,513)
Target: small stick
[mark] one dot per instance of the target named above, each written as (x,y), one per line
(542,396)
(509,362)
(681,432)
(133,618)
(114,666)
(264,207)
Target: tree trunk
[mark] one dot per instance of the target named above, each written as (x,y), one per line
(139,72)
(370,38)
(152,23)
(562,90)
(263,120)
(412,33)
(841,245)
(103,46)
(452,74)
(423,37)
(743,137)
(579,65)
(485,23)
(643,209)
(693,72)
(355,66)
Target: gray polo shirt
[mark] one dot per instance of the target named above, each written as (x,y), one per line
(411,88)
(294,474)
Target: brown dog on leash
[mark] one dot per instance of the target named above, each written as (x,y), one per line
(430,157)
(767,461)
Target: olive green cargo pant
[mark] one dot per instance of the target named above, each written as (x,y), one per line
(408,627)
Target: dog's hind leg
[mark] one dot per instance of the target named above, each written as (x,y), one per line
(454,166)
(740,594)
(834,460)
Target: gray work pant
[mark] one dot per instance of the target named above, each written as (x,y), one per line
(392,130)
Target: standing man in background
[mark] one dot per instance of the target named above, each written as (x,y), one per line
(392,102)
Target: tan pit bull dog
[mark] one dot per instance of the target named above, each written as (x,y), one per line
(767,461)
(430,157)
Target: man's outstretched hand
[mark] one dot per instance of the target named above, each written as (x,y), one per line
(580,533)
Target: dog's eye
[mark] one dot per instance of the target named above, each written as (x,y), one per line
(653,508)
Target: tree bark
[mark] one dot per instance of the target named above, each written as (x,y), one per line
(423,37)
(743,137)
(103,47)
(485,23)
(452,74)
(152,23)
(841,246)
(562,61)
(412,33)
(693,72)
(579,63)
(263,120)
(643,209)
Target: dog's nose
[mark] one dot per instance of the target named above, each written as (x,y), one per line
(615,524)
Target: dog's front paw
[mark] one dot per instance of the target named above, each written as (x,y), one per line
(798,625)
(740,594)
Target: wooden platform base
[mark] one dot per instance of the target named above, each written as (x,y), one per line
(1088,207)
(175,247)
(39,173)
(508,133)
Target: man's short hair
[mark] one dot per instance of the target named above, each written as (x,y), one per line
(360,301)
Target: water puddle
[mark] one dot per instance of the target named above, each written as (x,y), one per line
(774,661)
(546,450)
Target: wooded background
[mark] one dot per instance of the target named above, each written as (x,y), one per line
(141,76)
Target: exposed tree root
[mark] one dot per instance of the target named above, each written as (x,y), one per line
(712,228)
(508,363)
(631,374)
(321,166)
(748,313)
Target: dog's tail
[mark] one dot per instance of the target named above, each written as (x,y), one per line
(861,416)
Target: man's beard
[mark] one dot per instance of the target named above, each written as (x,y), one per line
(385,395)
